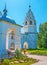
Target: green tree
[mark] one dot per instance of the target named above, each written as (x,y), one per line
(45,45)
(42,35)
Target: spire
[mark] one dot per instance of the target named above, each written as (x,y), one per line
(29,13)
(5,10)
(29,7)
(30,16)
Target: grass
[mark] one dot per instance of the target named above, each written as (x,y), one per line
(27,61)
(38,51)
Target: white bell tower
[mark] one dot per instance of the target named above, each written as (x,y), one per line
(30,22)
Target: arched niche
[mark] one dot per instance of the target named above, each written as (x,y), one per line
(14,33)
(25,45)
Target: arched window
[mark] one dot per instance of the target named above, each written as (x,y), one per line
(30,22)
(12,35)
(25,45)
(26,23)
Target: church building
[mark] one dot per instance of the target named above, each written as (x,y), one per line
(11,37)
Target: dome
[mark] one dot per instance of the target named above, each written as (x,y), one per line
(8,19)
(5,17)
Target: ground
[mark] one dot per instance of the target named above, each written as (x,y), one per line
(39,54)
(42,59)
(38,57)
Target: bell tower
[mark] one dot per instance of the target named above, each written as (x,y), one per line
(30,22)
(29,37)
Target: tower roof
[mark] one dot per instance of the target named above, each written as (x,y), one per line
(29,14)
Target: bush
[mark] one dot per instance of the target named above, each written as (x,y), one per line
(17,53)
(6,62)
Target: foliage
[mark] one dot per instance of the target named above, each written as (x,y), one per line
(28,61)
(12,59)
(6,62)
(42,35)
(38,51)
(25,63)
(18,54)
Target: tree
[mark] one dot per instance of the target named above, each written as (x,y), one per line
(45,45)
(42,35)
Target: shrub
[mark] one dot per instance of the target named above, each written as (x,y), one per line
(17,53)
(6,62)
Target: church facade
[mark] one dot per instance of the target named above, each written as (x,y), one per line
(11,37)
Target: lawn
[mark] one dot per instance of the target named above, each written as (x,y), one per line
(38,51)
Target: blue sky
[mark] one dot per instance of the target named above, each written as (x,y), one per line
(17,10)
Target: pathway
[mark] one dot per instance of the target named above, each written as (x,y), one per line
(42,59)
